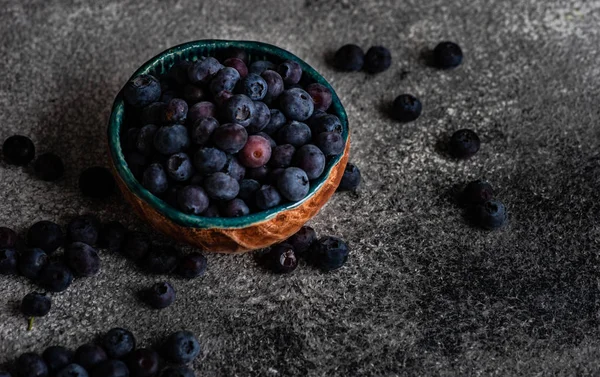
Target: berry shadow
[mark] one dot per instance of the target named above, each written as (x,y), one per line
(426,57)
(441,147)
(385,107)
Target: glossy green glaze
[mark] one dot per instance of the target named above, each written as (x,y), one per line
(191,51)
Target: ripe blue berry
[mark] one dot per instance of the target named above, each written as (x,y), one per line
(18,150)
(31,262)
(160,295)
(260,66)
(290,72)
(179,371)
(136,245)
(230,137)
(277,121)
(233,168)
(325,123)
(57,358)
(221,186)
(192,265)
(45,235)
(239,109)
(112,236)
(161,262)
(55,277)
(142,90)
(72,370)
(90,355)
(31,365)
(351,178)
(447,55)
(477,192)
(209,160)
(192,200)
(35,304)
(282,155)
(267,197)
(49,167)
(294,133)
(238,65)
(349,58)
(142,362)
(155,179)
(256,152)
(203,129)
(282,258)
(329,253)
(321,96)
(490,214)
(260,119)
(175,111)
(310,159)
(406,108)
(179,167)
(110,368)
(173,139)
(302,240)
(201,110)
(293,184)
(118,343)
(254,86)
(464,144)
(296,104)
(377,59)
(204,69)
(330,143)
(235,208)
(181,347)
(82,259)
(274,85)
(96,182)
(145,139)
(84,229)
(224,81)
(8,261)
(8,238)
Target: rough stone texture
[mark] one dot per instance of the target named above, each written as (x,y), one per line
(423,292)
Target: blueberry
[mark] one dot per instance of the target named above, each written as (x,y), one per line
(254,86)
(153,113)
(296,104)
(31,365)
(224,81)
(142,90)
(179,167)
(175,111)
(204,69)
(330,143)
(248,188)
(18,150)
(180,371)
(477,192)
(31,262)
(464,144)
(277,121)
(294,133)
(209,160)
(302,240)
(329,253)
(72,370)
(239,109)
(257,174)
(160,295)
(290,72)
(110,368)
(136,245)
(211,211)
(143,362)
(282,156)
(261,117)
(57,358)
(194,94)
(118,343)
(490,214)
(293,184)
(49,167)
(161,262)
(406,108)
(256,152)
(349,58)
(235,208)
(326,123)
(275,85)
(145,139)
(351,178)
(171,139)
(45,235)
(201,110)
(377,59)
(55,277)
(112,236)
(447,55)
(82,259)
(8,238)
(181,347)
(230,137)
(272,142)
(35,304)
(234,169)
(155,179)
(136,162)
(203,129)
(192,265)
(178,74)
(221,186)
(321,96)
(96,182)
(260,66)
(8,261)
(84,229)
(282,258)
(310,159)
(235,53)
(267,197)
(238,65)
(90,355)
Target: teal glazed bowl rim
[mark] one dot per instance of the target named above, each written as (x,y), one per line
(191,51)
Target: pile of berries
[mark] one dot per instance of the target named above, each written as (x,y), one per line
(115,355)
(224,138)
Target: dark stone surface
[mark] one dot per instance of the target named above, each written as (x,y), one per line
(423,292)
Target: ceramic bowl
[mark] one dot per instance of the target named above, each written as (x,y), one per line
(228,235)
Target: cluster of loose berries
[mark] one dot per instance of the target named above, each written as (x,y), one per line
(115,355)
(221,138)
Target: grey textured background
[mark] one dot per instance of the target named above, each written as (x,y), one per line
(423,293)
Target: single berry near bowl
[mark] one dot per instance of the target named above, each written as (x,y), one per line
(329,253)
(175,111)
(49,167)
(82,259)
(35,304)
(447,55)
(282,258)
(57,358)
(490,214)
(155,179)
(351,178)
(90,355)
(181,347)
(142,362)
(254,86)
(55,277)
(477,192)
(192,265)
(18,150)
(349,58)
(464,144)
(302,240)
(203,69)
(118,343)
(31,365)
(171,139)
(406,108)
(159,296)
(84,229)
(31,262)
(45,235)
(377,59)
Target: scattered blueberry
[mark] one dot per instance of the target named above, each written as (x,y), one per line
(84,229)
(203,129)
(221,186)
(267,197)
(49,167)
(31,262)
(159,296)
(175,111)
(490,214)
(136,245)
(82,259)
(72,370)
(142,362)
(321,96)
(296,104)
(96,182)
(260,66)
(230,137)
(112,236)
(57,358)
(31,365)
(110,368)
(179,167)
(55,277)
(282,258)
(45,235)
(377,59)
(256,152)
(161,262)
(8,238)
(18,150)
(8,261)
(406,108)
(171,139)
(118,343)
(302,240)
(290,72)
(447,55)
(203,69)
(351,178)
(293,184)
(90,355)
(310,159)
(181,347)
(35,304)
(155,179)
(329,253)
(330,143)
(142,90)
(275,85)
(477,192)
(239,109)
(349,58)
(192,265)
(294,133)
(464,144)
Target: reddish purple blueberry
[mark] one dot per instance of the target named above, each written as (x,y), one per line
(256,152)
(320,95)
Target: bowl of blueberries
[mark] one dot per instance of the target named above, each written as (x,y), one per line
(229,146)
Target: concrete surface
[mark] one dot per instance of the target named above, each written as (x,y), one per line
(423,292)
